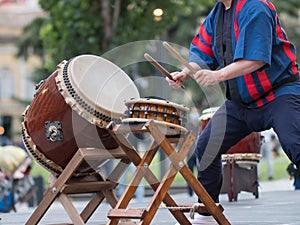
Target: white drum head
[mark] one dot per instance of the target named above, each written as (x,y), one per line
(101,83)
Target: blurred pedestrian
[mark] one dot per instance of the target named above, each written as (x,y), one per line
(4,140)
(267,148)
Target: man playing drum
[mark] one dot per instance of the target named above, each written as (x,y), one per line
(244,46)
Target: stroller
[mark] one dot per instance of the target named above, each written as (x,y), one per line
(16,182)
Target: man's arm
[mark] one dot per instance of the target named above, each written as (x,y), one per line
(235,69)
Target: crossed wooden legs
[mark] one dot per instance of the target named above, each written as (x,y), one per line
(160,188)
(66,184)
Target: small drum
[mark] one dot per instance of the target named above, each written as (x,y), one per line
(249,144)
(206,116)
(169,116)
(72,108)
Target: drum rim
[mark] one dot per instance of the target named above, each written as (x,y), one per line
(208,113)
(176,127)
(242,158)
(33,150)
(92,113)
(160,101)
(242,155)
(84,95)
(41,159)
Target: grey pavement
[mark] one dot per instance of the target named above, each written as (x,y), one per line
(278,203)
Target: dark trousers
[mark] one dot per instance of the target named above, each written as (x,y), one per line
(191,164)
(232,122)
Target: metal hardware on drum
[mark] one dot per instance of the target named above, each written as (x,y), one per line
(54,131)
(38,86)
(37,155)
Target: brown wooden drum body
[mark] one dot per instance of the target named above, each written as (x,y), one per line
(49,107)
(163,112)
(71,110)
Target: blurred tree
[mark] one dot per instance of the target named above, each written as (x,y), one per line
(86,26)
(292,27)
(31,44)
(289,13)
(74,27)
(290,7)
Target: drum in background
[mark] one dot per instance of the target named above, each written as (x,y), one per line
(206,116)
(249,144)
(247,159)
(239,163)
(72,108)
(169,116)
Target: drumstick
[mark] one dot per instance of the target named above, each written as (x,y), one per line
(160,68)
(183,61)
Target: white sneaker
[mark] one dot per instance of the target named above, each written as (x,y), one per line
(199,219)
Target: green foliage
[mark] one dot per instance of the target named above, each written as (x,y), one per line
(37,170)
(31,43)
(187,24)
(289,15)
(290,7)
(280,164)
(74,27)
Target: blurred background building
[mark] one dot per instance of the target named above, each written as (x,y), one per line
(15,85)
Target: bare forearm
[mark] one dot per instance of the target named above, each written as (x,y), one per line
(206,77)
(238,68)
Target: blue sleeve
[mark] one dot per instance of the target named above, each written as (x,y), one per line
(201,48)
(255,32)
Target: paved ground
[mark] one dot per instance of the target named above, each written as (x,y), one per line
(278,204)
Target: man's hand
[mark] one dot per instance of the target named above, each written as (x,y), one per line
(179,78)
(206,77)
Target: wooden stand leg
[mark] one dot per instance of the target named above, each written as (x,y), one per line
(67,184)
(148,175)
(70,209)
(164,186)
(91,207)
(188,175)
(160,188)
(54,191)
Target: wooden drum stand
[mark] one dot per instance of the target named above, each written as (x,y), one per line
(66,183)
(184,142)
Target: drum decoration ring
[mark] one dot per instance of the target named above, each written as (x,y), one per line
(171,117)
(76,102)
(242,158)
